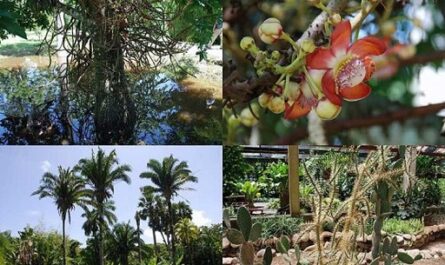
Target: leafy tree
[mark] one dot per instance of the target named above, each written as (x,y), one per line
(169,177)
(187,233)
(67,190)
(235,169)
(101,172)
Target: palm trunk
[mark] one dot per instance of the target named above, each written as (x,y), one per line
(173,247)
(154,241)
(63,240)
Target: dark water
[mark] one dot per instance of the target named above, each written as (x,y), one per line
(30,111)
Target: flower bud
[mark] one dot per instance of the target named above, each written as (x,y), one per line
(247,118)
(308,45)
(335,18)
(293,91)
(276,105)
(327,110)
(270,30)
(247,43)
(275,55)
(388,28)
(264,100)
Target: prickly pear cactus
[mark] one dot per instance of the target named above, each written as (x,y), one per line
(245,236)
(389,254)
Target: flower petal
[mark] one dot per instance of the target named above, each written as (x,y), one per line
(321,58)
(358,92)
(329,89)
(296,111)
(368,46)
(341,37)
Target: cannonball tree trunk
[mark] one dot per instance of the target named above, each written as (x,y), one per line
(115,114)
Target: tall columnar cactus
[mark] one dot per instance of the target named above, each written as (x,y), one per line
(382,196)
(245,236)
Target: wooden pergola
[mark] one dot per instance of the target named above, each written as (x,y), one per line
(293,153)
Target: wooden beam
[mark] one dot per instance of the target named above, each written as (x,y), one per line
(294,182)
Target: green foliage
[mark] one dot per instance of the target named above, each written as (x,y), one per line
(250,189)
(235,169)
(208,249)
(411,204)
(279,225)
(180,70)
(398,226)
(273,180)
(389,253)
(8,20)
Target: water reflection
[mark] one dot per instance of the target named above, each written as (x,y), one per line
(30,111)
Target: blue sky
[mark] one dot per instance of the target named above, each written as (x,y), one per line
(22,168)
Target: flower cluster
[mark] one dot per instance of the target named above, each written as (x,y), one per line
(318,78)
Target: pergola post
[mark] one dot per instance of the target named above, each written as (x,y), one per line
(294,182)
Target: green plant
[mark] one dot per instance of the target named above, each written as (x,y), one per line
(273,179)
(235,169)
(245,236)
(280,225)
(251,190)
(398,226)
(273,204)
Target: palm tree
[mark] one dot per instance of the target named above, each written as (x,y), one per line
(187,232)
(137,218)
(101,172)
(123,240)
(147,204)
(169,177)
(67,190)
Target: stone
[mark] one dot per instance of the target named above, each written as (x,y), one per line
(313,236)
(442,227)
(326,235)
(407,237)
(295,238)
(304,238)
(399,239)
(227,261)
(234,245)
(435,228)
(310,248)
(261,252)
(225,243)
(426,254)
(413,252)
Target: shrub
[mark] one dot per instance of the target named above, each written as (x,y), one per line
(398,226)
(279,225)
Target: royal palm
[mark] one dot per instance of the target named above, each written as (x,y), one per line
(101,172)
(169,177)
(67,190)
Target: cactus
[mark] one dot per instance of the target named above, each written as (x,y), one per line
(382,196)
(245,236)
(389,254)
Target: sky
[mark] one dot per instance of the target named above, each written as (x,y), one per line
(22,168)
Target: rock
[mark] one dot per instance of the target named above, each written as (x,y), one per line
(428,230)
(260,253)
(399,239)
(384,234)
(228,261)
(407,237)
(225,243)
(304,238)
(426,254)
(413,252)
(295,238)
(369,238)
(327,245)
(435,228)
(234,245)
(442,227)
(310,248)
(326,235)
(313,236)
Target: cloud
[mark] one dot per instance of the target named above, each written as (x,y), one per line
(33,213)
(45,166)
(199,218)
(147,236)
